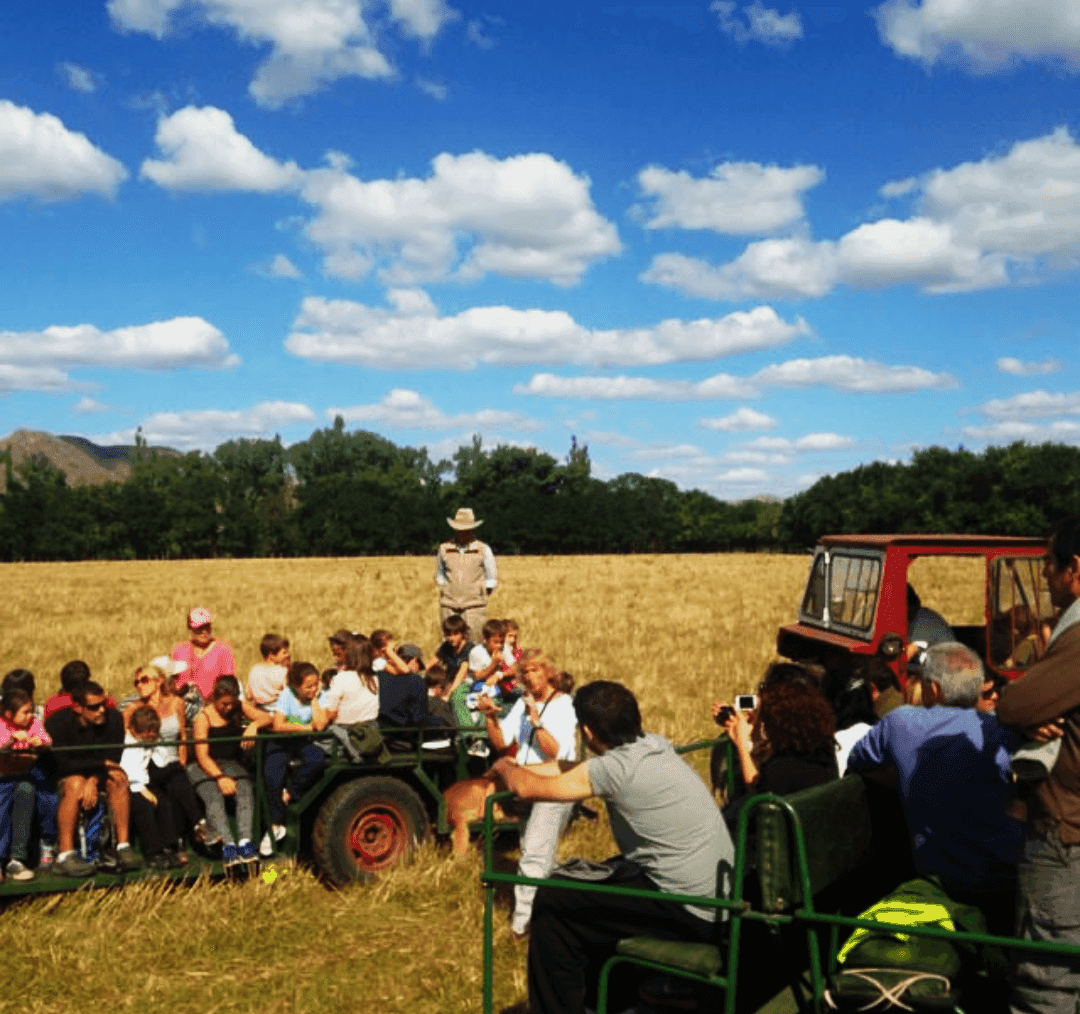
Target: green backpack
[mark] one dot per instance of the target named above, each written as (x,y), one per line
(892,970)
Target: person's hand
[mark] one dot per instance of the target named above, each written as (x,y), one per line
(531,709)
(738,728)
(89,794)
(1047,733)
(112,765)
(487,705)
(35,741)
(226,785)
(148,796)
(20,736)
(716,707)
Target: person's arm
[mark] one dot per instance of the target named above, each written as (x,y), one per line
(462,672)
(536,783)
(254,714)
(1047,690)
(394,662)
(491,572)
(320,716)
(872,751)
(498,740)
(282,724)
(738,729)
(441,573)
(182,749)
(200,729)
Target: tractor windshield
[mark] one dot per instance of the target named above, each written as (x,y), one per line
(842,592)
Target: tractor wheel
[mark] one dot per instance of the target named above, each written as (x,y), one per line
(367,825)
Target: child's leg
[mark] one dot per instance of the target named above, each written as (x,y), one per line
(311,759)
(8,788)
(173,782)
(46,800)
(142,817)
(22,821)
(275,767)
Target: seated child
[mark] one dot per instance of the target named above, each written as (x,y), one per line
(511,637)
(438,684)
(267,678)
(299,709)
(151,812)
(23,786)
(384,654)
(486,665)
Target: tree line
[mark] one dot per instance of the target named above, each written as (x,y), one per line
(344,494)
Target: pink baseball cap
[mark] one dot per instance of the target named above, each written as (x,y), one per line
(199,617)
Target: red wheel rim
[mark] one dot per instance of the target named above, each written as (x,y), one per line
(377,837)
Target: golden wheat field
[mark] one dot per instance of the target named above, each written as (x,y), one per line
(678,630)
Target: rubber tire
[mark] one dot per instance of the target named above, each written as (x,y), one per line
(367,825)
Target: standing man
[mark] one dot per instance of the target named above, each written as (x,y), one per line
(465,573)
(1050,869)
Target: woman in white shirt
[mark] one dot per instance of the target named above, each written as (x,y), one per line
(540,728)
(353,695)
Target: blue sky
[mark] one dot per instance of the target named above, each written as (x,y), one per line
(733,245)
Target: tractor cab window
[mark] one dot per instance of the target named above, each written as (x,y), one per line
(1020,601)
(842,592)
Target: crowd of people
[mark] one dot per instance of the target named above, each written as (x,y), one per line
(169,760)
(172,758)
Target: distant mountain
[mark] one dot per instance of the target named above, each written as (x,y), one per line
(83,462)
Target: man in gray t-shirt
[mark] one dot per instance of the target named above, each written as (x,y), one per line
(663,818)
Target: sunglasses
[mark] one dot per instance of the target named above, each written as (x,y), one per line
(94,707)
(144,679)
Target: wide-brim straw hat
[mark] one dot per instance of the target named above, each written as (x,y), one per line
(463,520)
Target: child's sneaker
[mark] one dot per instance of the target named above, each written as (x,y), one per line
(48,856)
(247,853)
(230,855)
(18,870)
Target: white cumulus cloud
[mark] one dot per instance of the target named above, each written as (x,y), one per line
(1007,218)
(46,379)
(410,410)
(183,342)
(205,429)
(1033,405)
(1019,368)
(313,42)
(413,335)
(1008,430)
(525,216)
(851,373)
(202,150)
(721,387)
(742,420)
(757,23)
(40,157)
(736,198)
(985,35)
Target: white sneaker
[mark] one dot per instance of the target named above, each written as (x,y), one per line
(19,871)
(266,846)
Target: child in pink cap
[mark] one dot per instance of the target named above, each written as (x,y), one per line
(207,658)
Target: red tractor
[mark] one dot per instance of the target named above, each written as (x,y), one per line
(857,602)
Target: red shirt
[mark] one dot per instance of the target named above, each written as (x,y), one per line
(203,672)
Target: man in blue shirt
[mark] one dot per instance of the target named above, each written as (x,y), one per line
(952,763)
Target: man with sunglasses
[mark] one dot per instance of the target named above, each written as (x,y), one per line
(94,735)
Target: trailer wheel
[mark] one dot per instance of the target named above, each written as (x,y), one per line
(367,825)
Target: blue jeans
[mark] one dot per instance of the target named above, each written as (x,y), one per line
(276,769)
(1049,875)
(19,796)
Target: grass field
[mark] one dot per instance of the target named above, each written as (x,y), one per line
(679,630)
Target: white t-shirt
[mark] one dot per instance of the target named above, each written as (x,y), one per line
(265,683)
(845,740)
(379,664)
(558,718)
(479,658)
(351,699)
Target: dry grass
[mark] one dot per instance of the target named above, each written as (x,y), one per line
(679,630)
